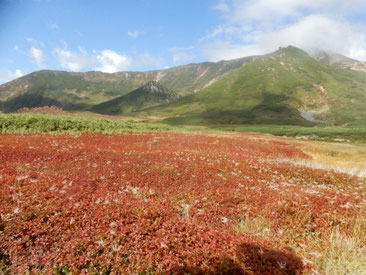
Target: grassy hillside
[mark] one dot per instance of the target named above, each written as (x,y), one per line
(71,91)
(286,87)
(79,91)
(190,78)
(151,94)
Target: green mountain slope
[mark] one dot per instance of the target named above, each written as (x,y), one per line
(78,91)
(286,87)
(149,95)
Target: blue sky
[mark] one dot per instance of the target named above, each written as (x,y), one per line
(113,35)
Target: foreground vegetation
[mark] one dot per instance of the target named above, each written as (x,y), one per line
(153,203)
(326,133)
(23,123)
(67,122)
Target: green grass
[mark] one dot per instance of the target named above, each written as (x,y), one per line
(326,133)
(24,123)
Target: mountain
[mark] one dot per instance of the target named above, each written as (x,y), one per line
(149,95)
(338,60)
(285,87)
(288,86)
(79,91)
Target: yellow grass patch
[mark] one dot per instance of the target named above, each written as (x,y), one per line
(347,158)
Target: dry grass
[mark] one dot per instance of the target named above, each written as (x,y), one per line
(345,255)
(344,158)
(257,226)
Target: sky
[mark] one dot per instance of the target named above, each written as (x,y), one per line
(139,35)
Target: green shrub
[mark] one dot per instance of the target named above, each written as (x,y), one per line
(20,123)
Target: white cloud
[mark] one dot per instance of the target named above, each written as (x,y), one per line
(34,43)
(38,56)
(74,61)
(269,10)
(318,31)
(133,34)
(105,61)
(111,62)
(222,50)
(252,27)
(7,75)
(222,6)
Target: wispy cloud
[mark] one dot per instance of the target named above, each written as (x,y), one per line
(74,61)
(55,26)
(270,10)
(7,75)
(147,59)
(18,49)
(134,34)
(33,42)
(183,55)
(183,58)
(38,57)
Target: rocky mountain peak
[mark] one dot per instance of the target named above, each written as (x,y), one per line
(153,87)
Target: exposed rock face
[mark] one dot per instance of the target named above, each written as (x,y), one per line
(153,87)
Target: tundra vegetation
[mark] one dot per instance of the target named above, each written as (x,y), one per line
(185,177)
(181,202)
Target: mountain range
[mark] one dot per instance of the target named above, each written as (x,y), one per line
(288,86)
(79,91)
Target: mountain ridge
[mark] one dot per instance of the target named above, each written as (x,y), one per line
(288,86)
(149,95)
(285,87)
(81,90)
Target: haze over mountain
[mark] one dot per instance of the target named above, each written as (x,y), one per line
(339,60)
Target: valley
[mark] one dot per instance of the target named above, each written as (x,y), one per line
(248,166)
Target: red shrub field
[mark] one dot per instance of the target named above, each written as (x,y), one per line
(167,203)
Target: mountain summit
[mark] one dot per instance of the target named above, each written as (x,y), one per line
(287,86)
